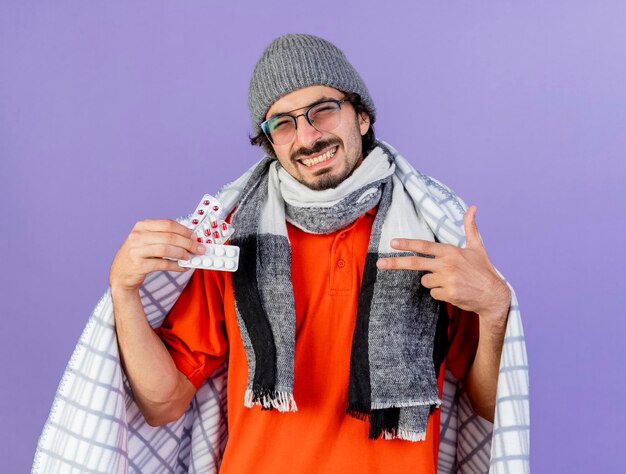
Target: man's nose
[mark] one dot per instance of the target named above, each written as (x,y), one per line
(306,134)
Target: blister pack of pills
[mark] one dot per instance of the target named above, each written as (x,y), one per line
(212,231)
(216,257)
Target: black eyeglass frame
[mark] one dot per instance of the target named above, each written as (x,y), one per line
(265,125)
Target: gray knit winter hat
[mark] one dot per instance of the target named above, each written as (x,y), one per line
(294,61)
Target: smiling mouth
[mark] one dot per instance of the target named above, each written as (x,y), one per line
(308,162)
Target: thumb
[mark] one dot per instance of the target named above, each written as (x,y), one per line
(472,235)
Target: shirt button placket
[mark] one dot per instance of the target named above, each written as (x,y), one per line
(340,270)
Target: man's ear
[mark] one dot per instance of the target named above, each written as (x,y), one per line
(364,122)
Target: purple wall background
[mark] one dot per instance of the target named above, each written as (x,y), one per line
(111,112)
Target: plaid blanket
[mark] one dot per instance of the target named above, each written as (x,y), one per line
(94,425)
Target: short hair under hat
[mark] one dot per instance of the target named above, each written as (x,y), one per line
(294,61)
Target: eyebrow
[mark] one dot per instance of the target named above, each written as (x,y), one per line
(321,99)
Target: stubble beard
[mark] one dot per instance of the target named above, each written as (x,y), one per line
(323,179)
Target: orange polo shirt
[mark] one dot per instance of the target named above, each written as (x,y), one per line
(201,331)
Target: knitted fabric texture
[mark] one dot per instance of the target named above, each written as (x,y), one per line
(294,61)
(392,375)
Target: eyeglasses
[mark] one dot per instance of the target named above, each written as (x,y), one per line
(324,116)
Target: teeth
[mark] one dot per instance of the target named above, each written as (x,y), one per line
(318,159)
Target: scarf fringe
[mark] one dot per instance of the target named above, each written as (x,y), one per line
(406,435)
(436,402)
(268,399)
(362,415)
(386,427)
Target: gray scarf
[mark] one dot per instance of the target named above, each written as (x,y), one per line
(394,359)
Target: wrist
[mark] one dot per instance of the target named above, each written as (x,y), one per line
(493,323)
(120,293)
(498,311)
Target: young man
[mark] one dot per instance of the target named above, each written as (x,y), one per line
(344,306)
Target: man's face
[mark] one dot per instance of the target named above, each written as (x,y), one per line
(309,143)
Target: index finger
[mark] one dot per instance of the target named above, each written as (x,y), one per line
(408,262)
(165,225)
(435,249)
